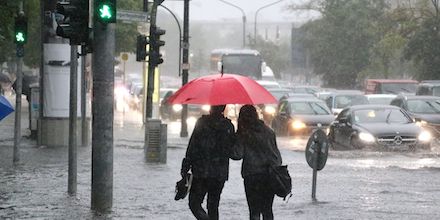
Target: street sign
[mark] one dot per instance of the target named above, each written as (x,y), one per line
(319,143)
(124,56)
(132,16)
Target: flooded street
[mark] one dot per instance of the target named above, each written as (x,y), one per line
(353,185)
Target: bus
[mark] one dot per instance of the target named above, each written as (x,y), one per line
(390,86)
(244,62)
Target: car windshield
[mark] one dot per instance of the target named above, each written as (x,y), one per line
(278,93)
(242,64)
(424,106)
(380,116)
(396,88)
(343,101)
(380,100)
(309,108)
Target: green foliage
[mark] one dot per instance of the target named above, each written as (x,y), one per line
(340,42)
(275,55)
(32,48)
(423,46)
(126,33)
(424,49)
(7,47)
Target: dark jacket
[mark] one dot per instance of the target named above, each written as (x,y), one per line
(210,147)
(258,148)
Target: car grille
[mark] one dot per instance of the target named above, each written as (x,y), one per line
(396,140)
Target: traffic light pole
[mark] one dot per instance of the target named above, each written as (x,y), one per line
(184,126)
(102,106)
(18,92)
(151,66)
(84,129)
(73,115)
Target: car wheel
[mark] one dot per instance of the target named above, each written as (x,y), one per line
(354,143)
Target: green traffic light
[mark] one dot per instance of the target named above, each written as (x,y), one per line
(105,12)
(20,37)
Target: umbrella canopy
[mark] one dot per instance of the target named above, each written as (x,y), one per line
(5,107)
(221,89)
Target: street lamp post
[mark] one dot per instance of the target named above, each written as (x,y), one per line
(255,19)
(243,19)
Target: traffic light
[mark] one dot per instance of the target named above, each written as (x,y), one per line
(20,33)
(156,43)
(105,11)
(141,48)
(75,22)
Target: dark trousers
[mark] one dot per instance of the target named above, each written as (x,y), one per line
(199,188)
(259,197)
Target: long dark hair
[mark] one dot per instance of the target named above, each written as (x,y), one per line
(247,118)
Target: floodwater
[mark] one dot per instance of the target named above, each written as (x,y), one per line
(353,185)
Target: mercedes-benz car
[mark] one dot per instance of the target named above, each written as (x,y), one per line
(382,127)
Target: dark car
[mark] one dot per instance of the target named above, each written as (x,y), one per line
(378,126)
(429,87)
(301,116)
(425,109)
(174,111)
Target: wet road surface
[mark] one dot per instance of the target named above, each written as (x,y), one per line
(353,185)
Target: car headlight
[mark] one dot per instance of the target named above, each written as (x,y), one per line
(269,110)
(421,123)
(425,136)
(297,125)
(206,108)
(366,137)
(177,107)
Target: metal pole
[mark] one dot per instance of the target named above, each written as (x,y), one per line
(84,127)
(18,92)
(315,169)
(123,82)
(180,37)
(144,77)
(43,38)
(244,31)
(102,106)
(244,20)
(73,115)
(184,126)
(151,68)
(255,19)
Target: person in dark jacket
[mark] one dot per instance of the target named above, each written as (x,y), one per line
(207,157)
(256,145)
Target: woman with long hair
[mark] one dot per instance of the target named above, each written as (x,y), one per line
(256,145)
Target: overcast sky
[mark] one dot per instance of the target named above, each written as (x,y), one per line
(215,10)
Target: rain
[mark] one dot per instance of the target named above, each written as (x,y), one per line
(365,72)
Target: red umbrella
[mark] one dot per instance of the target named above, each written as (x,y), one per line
(221,89)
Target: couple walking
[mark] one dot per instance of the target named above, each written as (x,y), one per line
(212,143)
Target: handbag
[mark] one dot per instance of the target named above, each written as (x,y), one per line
(281,182)
(183,186)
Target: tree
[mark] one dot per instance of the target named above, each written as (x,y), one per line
(275,55)
(424,44)
(340,42)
